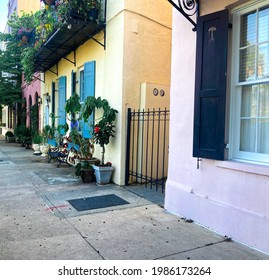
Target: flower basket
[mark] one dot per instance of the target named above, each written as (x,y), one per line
(24,35)
(24,40)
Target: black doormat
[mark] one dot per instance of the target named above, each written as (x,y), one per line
(97,202)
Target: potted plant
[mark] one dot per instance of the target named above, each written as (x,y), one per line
(72,107)
(48,2)
(87,9)
(10,137)
(37,140)
(44,146)
(85,171)
(24,35)
(23,135)
(103,131)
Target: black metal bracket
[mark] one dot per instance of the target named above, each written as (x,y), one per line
(37,78)
(56,73)
(187,8)
(98,42)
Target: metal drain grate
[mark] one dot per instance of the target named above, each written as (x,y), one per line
(97,202)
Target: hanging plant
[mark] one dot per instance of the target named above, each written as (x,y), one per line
(27,61)
(24,35)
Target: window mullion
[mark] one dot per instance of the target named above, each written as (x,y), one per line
(256,52)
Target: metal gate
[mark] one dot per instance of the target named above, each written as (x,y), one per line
(147,147)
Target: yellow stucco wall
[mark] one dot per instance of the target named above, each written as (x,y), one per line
(210,6)
(27,6)
(138,50)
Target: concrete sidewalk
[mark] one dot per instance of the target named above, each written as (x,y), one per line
(38,221)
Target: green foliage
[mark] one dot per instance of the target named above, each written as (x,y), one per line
(48,132)
(82,167)
(104,129)
(72,105)
(9,134)
(10,72)
(91,103)
(34,115)
(22,133)
(37,138)
(28,64)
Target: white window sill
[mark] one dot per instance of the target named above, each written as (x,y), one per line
(244,167)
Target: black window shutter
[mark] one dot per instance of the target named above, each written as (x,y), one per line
(53,97)
(73,82)
(210,86)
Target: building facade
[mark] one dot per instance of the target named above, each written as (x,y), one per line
(131,50)
(218,160)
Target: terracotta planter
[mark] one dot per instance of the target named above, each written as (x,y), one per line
(24,40)
(49,2)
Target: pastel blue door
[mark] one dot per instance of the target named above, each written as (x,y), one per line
(61,100)
(89,90)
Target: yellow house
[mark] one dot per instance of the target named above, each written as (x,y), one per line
(116,61)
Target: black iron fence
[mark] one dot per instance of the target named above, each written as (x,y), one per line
(147,147)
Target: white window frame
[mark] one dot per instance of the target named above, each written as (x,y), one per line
(236,88)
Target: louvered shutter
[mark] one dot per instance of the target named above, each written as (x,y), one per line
(210,86)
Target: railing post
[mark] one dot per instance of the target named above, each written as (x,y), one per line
(128,140)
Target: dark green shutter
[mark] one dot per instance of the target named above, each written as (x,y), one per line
(210,86)
(73,82)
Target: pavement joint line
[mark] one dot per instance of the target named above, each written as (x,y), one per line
(196,248)
(72,226)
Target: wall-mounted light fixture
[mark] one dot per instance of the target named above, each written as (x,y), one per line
(47,97)
(39,100)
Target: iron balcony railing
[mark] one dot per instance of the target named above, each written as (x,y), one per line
(77,28)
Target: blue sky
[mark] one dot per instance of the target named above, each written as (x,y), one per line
(3,14)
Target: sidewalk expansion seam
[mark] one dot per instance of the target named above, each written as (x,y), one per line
(193,249)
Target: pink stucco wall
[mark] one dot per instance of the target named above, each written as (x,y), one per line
(30,90)
(228,197)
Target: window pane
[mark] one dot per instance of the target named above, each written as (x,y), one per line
(263,61)
(248,135)
(264,101)
(248,29)
(247,64)
(263,136)
(249,101)
(264,25)
(81,85)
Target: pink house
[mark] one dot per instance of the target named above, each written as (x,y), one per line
(31,94)
(219,133)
